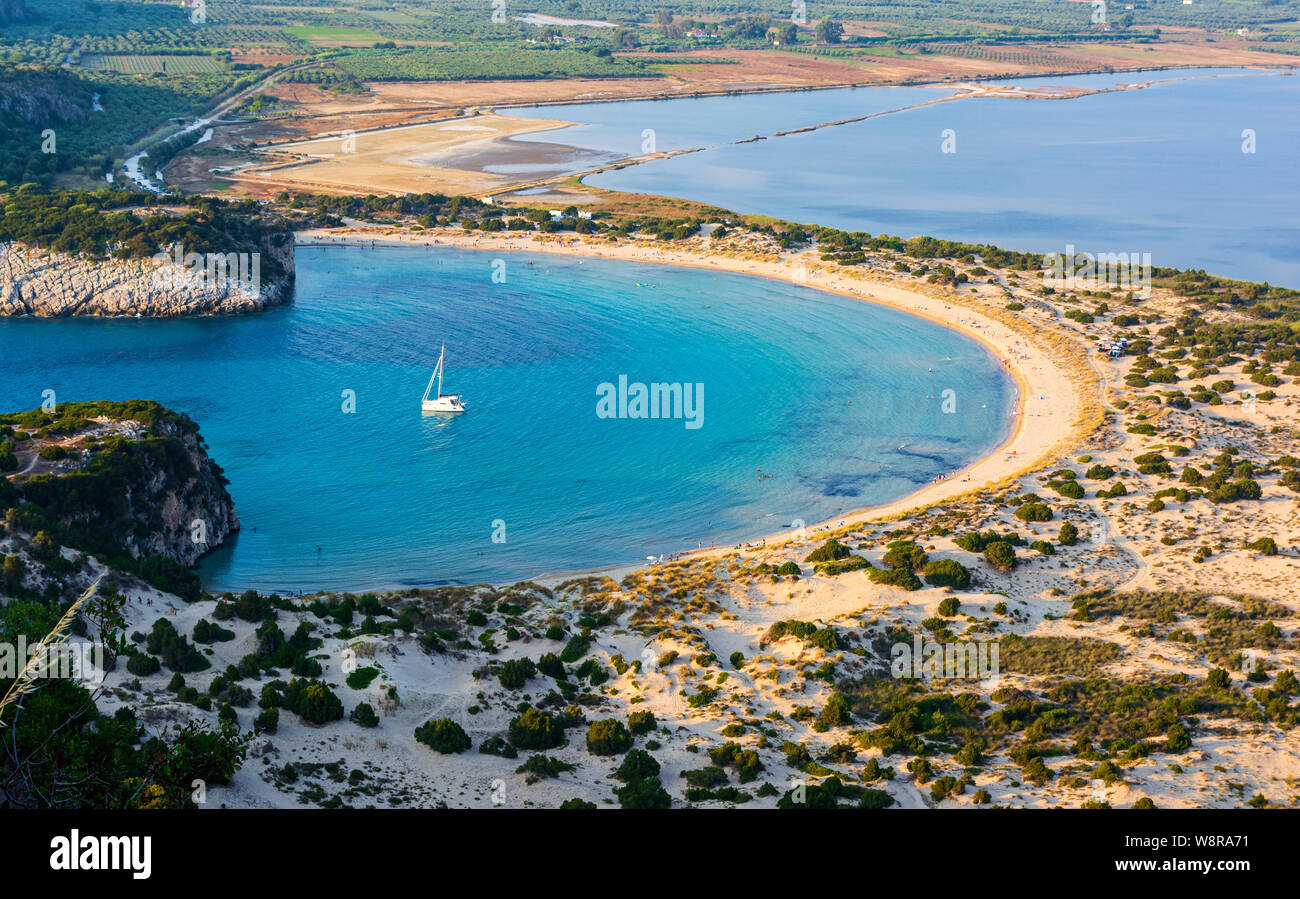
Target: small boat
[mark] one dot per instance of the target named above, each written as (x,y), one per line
(443,402)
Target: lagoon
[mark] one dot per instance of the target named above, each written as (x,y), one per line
(1159,170)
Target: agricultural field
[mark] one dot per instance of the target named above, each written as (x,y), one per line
(455,65)
(330,34)
(134,64)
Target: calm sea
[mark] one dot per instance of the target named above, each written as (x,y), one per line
(813,404)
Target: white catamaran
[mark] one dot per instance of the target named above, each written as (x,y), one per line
(443,402)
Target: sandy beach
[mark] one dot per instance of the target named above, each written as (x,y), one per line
(1051,408)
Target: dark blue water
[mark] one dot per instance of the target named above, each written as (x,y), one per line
(833,397)
(1158,170)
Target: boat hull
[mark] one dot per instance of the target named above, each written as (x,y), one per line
(443,404)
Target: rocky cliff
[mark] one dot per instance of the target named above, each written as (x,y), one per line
(129,482)
(51,284)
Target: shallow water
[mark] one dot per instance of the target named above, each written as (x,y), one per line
(1158,170)
(838,400)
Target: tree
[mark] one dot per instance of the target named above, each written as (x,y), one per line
(645,793)
(1068,535)
(829,31)
(443,735)
(837,712)
(947,573)
(515,672)
(14,569)
(637,765)
(364,715)
(1218,679)
(608,736)
(535,729)
(641,721)
(1178,739)
(786,35)
(1000,555)
(313,701)
(1035,771)
(903,554)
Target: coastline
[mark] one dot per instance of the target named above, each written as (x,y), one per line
(1057,399)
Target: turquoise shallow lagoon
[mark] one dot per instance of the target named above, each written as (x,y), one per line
(838,400)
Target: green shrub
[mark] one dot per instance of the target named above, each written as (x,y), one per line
(836,713)
(646,793)
(540,765)
(1035,771)
(173,649)
(1000,555)
(830,550)
(1178,739)
(947,573)
(515,672)
(641,721)
(575,803)
(841,566)
(1034,512)
(896,577)
(873,798)
(903,554)
(444,736)
(142,664)
(312,701)
(535,729)
(638,765)
(361,678)
(364,715)
(206,632)
(1068,489)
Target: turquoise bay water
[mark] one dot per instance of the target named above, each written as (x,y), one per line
(1158,170)
(838,400)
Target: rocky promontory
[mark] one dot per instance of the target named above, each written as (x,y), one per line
(129,482)
(51,284)
(124,253)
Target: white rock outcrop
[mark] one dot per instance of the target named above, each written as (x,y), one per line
(43,283)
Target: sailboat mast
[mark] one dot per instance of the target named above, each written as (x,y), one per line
(440,355)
